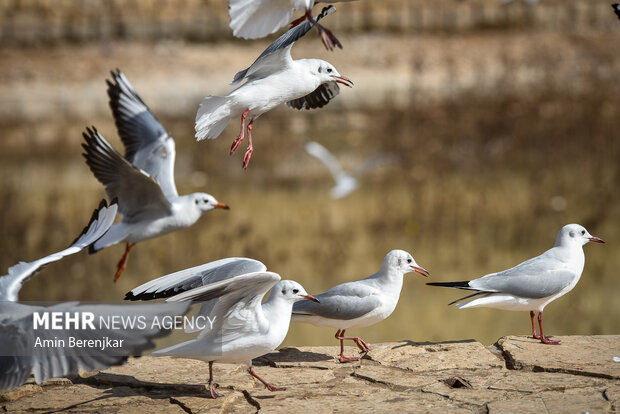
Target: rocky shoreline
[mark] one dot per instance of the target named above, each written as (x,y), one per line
(516,374)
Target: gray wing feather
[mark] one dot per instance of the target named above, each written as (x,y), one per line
(187,279)
(283,42)
(317,98)
(345,302)
(139,195)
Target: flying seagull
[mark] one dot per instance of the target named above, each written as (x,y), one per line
(253,19)
(231,291)
(346,182)
(21,341)
(360,303)
(143,180)
(272,79)
(533,284)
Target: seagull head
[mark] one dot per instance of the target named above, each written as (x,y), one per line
(575,234)
(291,291)
(326,72)
(403,262)
(205,202)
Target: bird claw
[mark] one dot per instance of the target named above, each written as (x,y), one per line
(344,359)
(214,393)
(363,346)
(545,340)
(235,145)
(274,388)
(328,38)
(247,157)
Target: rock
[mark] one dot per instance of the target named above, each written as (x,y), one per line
(458,376)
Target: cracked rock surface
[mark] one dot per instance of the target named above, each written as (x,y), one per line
(517,374)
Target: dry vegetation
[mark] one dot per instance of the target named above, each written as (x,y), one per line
(505,137)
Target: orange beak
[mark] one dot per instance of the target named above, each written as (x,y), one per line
(222,206)
(310,297)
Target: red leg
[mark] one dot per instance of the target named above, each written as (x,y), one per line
(250,150)
(328,38)
(214,394)
(363,346)
(268,385)
(237,141)
(545,339)
(534,334)
(122,264)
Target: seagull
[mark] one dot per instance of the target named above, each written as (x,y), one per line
(272,79)
(143,180)
(360,303)
(533,284)
(20,340)
(346,182)
(253,19)
(243,328)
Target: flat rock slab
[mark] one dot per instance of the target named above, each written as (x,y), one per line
(585,355)
(516,375)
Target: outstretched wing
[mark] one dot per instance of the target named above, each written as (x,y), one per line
(322,154)
(278,54)
(139,196)
(253,19)
(100,221)
(147,144)
(317,98)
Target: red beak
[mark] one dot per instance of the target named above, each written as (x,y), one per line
(596,239)
(421,271)
(344,80)
(310,297)
(222,206)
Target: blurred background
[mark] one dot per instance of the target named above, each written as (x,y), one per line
(505,115)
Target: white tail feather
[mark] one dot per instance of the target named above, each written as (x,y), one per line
(212,117)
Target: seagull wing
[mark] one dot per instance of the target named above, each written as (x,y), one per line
(345,302)
(147,144)
(278,54)
(238,303)
(100,222)
(317,98)
(536,278)
(374,162)
(322,154)
(188,279)
(139,195)
(253,19)
(59,361)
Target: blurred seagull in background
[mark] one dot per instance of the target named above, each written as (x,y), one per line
(616,8)
(143,180)
(231,291)
(360,303)
(533,284)
(253,19)
(272,79)
(19,353)
(346,182)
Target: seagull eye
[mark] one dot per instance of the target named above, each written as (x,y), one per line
(409,260)
(329,70)
(295,290)
(284,291)
(583,232)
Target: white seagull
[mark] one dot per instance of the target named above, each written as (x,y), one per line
(533,284)
(231,292)
(346,182)
(22,349)
(360,303)
(253,19)
(143,180)
(272,79)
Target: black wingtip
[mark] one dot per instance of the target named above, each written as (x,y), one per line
(102,204)
(461,285)
(616,8)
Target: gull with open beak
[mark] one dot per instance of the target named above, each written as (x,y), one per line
(274,78)
(360,303)
(533,284)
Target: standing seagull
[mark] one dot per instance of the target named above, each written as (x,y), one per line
(20,352)
(241,327)
(272,79)
(142,181)
(361,303)
(346,182)
(535,283)
(253,19)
